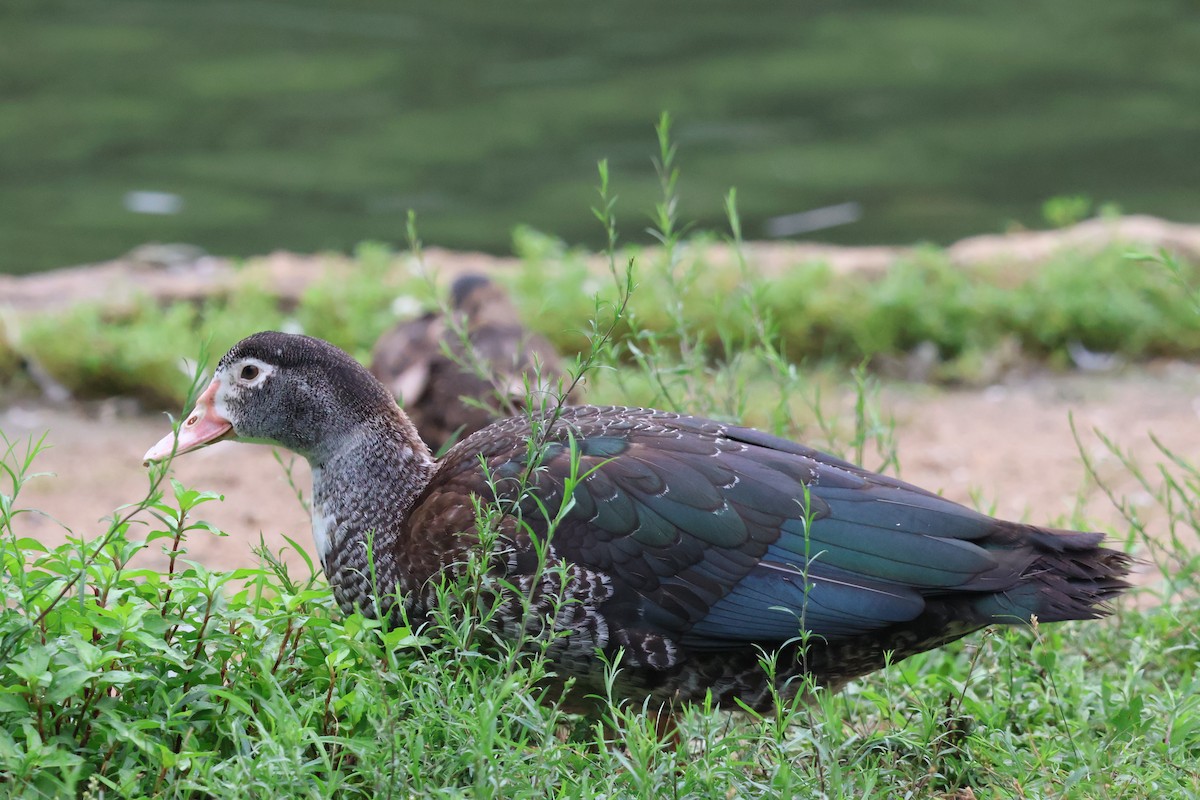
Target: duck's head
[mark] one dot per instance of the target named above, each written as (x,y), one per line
(285,389)
(482,301)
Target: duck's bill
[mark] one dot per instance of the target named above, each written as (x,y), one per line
(202,427)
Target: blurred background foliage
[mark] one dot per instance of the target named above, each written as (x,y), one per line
(307,125)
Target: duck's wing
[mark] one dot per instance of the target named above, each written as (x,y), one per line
(716,536)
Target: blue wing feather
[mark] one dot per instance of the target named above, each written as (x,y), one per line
(718,536)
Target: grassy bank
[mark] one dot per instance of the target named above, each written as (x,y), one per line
(972,324)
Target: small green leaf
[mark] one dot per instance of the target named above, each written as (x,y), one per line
(207,526)
(67,683)
(12,702)
(403,637)
(32,665)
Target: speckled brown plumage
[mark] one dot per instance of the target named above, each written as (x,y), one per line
(688,546)
(422,362)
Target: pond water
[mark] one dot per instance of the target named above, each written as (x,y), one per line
(247,125)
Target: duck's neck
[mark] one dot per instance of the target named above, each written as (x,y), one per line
(363,490)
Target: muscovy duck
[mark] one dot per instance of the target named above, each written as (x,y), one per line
(423,362)
(689,545)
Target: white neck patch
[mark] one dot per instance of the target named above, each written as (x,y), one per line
(324,526)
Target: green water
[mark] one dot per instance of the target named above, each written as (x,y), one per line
(308,125)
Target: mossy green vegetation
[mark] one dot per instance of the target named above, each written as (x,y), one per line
(1106,301)
(971,317)
(11,367)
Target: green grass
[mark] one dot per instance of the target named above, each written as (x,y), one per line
(119,681)
(250,684)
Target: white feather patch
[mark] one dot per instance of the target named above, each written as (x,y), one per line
(324,526)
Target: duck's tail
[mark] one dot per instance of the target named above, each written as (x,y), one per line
(1071,577)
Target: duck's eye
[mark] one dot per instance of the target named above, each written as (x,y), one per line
(249,372)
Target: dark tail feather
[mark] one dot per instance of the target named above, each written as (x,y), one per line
(1072,577)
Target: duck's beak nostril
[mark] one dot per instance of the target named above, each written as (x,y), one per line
(203,426)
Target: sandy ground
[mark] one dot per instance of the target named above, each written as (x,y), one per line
(1010,445)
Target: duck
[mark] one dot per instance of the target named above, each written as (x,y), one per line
(426,364)
(677,547)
